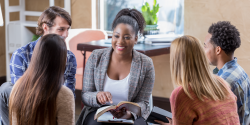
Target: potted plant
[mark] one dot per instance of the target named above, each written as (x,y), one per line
(150,16)
(35,37)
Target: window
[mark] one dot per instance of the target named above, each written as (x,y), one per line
(170,15)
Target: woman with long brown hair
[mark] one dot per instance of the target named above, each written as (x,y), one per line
(39,96)
(201,98)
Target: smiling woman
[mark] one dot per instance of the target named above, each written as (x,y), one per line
(118,73)
(126,26)
(123,40)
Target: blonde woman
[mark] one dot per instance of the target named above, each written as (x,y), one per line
(201,98)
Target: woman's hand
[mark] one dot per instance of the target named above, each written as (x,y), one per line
(121,113)
(103,97)
(163,123)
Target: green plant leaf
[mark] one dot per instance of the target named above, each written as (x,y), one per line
(143,8)
(147,4)
(156,20)
(35,37)
(154,10)
(158,7)
(150,15)
(144,14)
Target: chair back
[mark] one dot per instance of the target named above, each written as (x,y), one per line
(151,103)
(80,36)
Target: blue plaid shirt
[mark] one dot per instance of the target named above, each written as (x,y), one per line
(21,58)
(239,81)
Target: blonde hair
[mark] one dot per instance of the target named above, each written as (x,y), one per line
(190,69)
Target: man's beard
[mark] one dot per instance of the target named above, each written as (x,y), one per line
(63,37)
(210,63)
(57,34)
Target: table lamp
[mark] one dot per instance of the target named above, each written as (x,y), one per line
(1,16)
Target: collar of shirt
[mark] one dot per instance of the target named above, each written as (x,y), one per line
(38,39)
(33,44)
(226,66)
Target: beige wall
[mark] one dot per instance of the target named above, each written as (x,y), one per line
(80,10)
(2,45)
(81,13)
(200,14)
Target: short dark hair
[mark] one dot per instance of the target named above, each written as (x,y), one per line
(132,17)
(48,16)
(225,35)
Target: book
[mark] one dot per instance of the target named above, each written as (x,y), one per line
(159,44)
(103,114)
(159,114)
(107,41)
(160,39)
(109,118)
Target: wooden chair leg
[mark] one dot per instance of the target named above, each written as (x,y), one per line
(82,104)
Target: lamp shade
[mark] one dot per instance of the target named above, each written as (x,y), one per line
(1,16)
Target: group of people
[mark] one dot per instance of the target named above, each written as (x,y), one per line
(42,84)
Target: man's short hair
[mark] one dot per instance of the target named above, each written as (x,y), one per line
(225,35)
(48,16)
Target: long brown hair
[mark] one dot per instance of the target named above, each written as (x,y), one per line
(33,98)
(190,69)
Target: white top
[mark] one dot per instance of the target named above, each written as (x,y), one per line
(118,89)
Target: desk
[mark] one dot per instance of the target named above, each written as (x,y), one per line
(149,50)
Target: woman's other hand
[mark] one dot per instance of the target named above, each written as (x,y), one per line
(163,123)
(121,113)
(104,97)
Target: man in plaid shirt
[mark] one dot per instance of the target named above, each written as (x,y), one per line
(53,20)
(221,42)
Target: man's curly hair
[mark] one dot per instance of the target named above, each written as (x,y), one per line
(225,35)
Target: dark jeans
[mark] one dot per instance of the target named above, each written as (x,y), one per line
(90,121)
(5,90)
